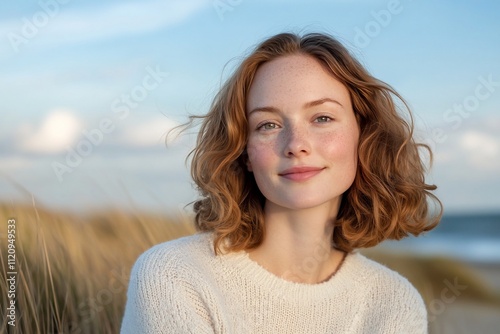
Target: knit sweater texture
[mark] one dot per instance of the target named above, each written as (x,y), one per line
(181,286)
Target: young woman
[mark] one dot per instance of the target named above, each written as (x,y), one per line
(301,160)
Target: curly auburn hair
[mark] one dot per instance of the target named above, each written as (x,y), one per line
(388,198)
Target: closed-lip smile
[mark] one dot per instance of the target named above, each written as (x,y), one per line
(300,173)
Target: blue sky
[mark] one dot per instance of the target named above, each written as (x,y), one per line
(89,89)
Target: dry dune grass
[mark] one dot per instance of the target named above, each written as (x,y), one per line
(73,270)
(458,299)
(430,275)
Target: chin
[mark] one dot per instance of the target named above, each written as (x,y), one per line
(301,204)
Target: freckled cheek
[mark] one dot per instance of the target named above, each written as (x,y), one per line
(341,147)
(260,154)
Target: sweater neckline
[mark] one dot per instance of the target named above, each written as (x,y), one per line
(256,274)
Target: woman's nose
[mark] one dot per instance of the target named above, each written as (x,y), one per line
(297,141)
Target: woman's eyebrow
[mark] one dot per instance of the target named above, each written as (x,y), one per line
(305,106)
(263,109)
(321,101)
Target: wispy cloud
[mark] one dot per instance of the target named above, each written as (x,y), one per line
(483,149)
(471,152)
(148,133)
(74,25)
(467,164)
(62,129)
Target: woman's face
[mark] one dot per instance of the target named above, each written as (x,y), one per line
(303,135)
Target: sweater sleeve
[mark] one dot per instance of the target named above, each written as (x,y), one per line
(393,306)
(412,315)
(401,309)
(162,298)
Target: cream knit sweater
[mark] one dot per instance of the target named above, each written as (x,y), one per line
(181,287)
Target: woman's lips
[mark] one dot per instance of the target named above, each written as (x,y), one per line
(300,173)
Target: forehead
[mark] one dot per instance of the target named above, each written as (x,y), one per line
(294,79)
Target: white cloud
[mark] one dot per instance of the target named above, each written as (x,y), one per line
(481,150)
(473,147)
(60,129)
(482,144)
(467,165)
(152,132)
(69,25)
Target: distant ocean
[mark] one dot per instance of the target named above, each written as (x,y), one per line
(474,238)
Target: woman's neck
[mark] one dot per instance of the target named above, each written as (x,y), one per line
(297,244)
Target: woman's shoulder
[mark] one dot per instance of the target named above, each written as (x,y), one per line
(174,255)
(194,242)
(388,287)
(371,270)
(385,282)
(387,299)
(166,287)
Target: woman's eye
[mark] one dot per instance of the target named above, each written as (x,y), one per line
(267,126)
(323,119)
